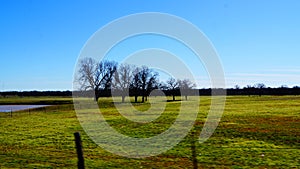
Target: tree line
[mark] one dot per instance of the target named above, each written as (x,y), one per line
(35,93)
(107,78)
(126,80)
(251,91)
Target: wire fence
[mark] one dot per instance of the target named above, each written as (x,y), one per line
(12,112)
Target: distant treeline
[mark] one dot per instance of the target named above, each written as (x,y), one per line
(207,92)
(264,91)
(202,92)
(35,93)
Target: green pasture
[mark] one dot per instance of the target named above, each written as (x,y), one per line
(254,132)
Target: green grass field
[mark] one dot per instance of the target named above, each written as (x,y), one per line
(254,132)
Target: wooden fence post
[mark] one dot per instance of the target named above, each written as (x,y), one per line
(194,152)
(79,150)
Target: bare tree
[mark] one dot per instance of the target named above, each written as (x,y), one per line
(152,84)
(86,73)
(123,78)
(237,87)
(260,86)
(186,86)
(148,81)
(172,86)
(96,76)
(248,87)
(143,82)
(136,84)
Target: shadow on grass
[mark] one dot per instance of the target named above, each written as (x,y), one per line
(173,100)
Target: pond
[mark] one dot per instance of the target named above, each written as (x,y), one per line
(9,108)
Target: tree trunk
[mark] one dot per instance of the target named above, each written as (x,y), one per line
(185,97)
(194,152)
(143,96)
(123,98)
(173,97)
(135,98)
(96,98)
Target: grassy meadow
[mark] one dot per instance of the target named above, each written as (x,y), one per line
(254,132)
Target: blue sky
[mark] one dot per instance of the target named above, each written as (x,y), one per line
(257,41)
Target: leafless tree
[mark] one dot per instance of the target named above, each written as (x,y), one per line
(186,86)
(248,87)
(96,76)
(86,73)
(260,85)
(237,87)
(123,78)
(172,86)
(136,84)
(152,84)
(148,81)
(143,82)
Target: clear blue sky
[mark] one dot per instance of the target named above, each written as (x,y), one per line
(257,41)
